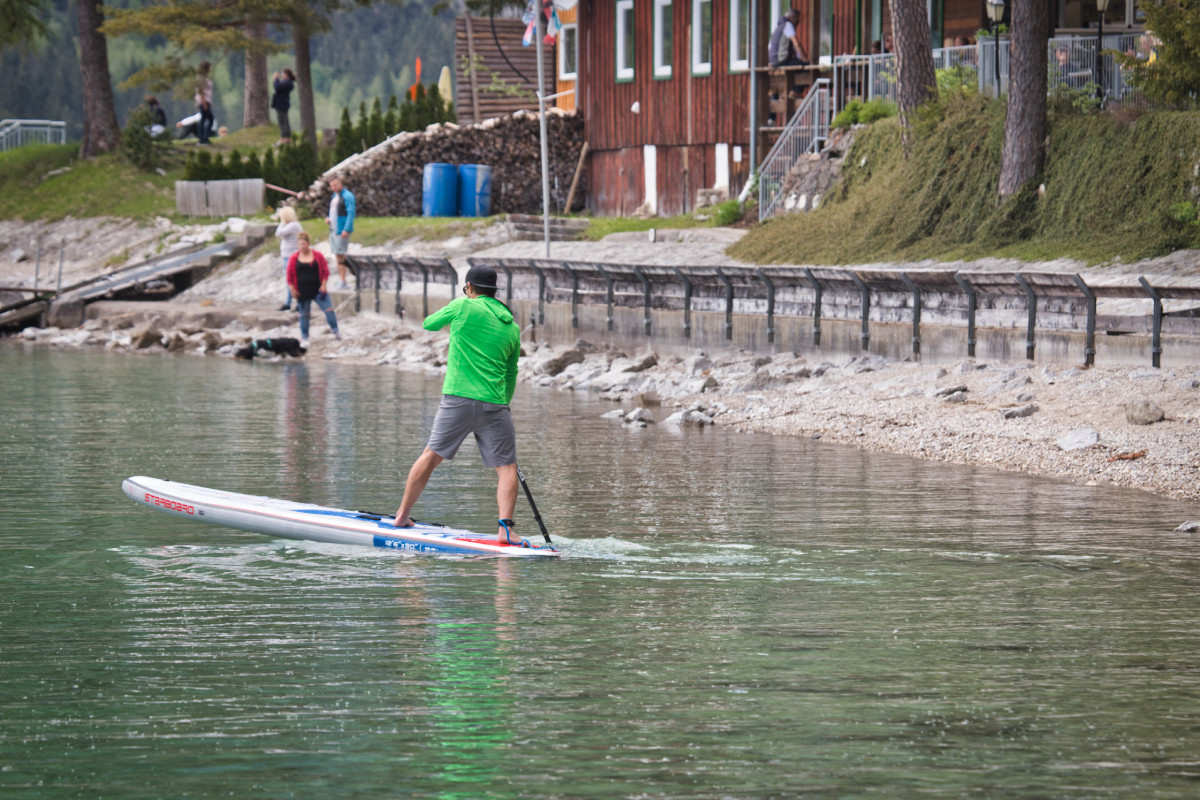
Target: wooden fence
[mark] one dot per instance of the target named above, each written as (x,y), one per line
(219,198)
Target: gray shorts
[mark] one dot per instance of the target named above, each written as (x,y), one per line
(338,244)
(491,424)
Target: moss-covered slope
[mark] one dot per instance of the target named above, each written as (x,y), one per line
(1114,188)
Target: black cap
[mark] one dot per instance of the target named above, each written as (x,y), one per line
(482,277)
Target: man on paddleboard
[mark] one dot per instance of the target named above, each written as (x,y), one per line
(481,375)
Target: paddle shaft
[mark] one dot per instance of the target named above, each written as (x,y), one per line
(533,505)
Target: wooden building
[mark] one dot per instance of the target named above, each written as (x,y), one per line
(664,85)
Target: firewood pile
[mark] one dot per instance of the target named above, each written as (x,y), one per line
(386,179)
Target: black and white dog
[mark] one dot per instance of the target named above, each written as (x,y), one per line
(287,346)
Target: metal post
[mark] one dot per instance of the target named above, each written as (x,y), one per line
(1156,330)
(687,303)
(574,294)
(37,267)
(866,310)
(728,303)
(377,267)
(996,30)
(541,76)
(399,305)
(1089,337)
(753,88)
(1099,47)
(424,289)
(816,325)
(357,283)
(1031,304)
(967,287)
(609,278)
(770,305)
(916,315)
(645,300)
(541,308)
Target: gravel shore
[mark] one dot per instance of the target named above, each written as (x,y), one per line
(1125,426)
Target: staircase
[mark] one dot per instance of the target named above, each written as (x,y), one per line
(806,132)
(528,227)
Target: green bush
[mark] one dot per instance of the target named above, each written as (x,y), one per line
(958,79)
(727,213)
(848,116)
(876,109)
(137,145)
(857,112)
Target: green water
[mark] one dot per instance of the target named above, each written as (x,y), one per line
(733,615)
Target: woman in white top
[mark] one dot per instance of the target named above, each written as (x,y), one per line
(288,231)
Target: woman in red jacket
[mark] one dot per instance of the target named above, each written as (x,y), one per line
(307,274)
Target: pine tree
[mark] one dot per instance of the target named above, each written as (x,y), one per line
(408,120)
(362,129)
(421,106)
(235,168)
(391,120)
(375,129)
(345,146)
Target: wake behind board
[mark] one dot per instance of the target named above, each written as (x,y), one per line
(316,523)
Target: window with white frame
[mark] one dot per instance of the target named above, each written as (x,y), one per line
(624,40)
(664,40)
(568,52)
(739,35)
(702,39)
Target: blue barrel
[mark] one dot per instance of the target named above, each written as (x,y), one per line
(439,190)
(474,190)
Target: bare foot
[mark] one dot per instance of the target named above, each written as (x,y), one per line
(402,522)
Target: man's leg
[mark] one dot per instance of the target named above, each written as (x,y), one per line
(341,259)
(506,495)
(418,476)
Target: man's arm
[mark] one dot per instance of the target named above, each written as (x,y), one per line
(510,376)
(443,316)
(348,201)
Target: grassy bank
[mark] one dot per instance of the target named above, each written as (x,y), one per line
(51,182)
(1113,189)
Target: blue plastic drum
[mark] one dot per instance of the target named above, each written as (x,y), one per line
(474,190)
(439,190)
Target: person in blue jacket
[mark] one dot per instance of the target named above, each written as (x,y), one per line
(341,225)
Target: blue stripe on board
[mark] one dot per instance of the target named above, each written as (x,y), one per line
(393,543)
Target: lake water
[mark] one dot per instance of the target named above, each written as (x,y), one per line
(733,615)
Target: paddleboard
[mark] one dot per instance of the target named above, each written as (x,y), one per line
(293,520)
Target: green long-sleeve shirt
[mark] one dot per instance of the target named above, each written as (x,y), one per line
(484,346)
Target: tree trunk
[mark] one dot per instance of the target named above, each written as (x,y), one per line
(255,109)
(916,82)
(308,114)
(1025,124)
(101,134)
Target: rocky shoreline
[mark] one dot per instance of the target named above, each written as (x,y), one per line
(1133,427)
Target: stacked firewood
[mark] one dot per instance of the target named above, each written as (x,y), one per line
(386,179)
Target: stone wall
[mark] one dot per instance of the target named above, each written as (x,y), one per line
(386,179)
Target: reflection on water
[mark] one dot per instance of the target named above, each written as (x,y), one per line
(733,615)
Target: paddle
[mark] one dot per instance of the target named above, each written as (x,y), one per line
(533,505)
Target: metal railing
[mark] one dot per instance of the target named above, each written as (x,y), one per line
(1071,65)
(20,132)
(805,132)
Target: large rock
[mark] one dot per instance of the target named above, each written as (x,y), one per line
(560,362)
(146,337)
(1019,411)
(1078,439)
(1142,412)
(644,363)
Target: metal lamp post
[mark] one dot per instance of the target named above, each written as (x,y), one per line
(1101,6)
(995,12)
